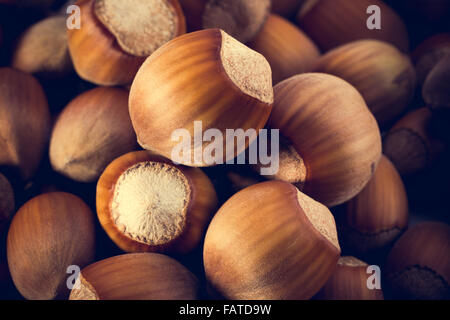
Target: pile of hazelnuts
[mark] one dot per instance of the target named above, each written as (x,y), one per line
(94,204)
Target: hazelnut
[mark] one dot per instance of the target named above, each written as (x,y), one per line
(24,121)
(436,89)
(349,282)
(429,53)
(409,144)
(288,50)
(48,234)
(146,203)
(286,8)
(242,19)
(138,276)
(109,48)
(270,241)
(7,202)
(42,49)
(219,82)
(332,142)
(331,23)
(382,74)
(94,129)
(418,266)
(378,214)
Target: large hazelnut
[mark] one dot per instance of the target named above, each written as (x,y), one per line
(147,203)
(270,241)
(24,121)
(94,129)
(219,82)
(382,74)
(116,36)
(48,234)
(331,23)
(288,49)
(138,276)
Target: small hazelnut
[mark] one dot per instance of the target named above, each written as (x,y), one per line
(219,82)
(418,266)
(409,144)
(377,215)
(24,121)
(270,241)
(147,203)
(288,50)
(242,19)
(383,75)
(94,129)
(436,89)
(7,201)
(138,276)
(42,49)
(331,23)
(109,47)
(349,282)
(48,234)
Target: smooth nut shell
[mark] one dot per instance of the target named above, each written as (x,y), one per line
(288,49)
(329,125)
(382,74)
(262,245)
(94,129)
(436,89)
(24,121)
(139,276)
(331,23)
(48,234)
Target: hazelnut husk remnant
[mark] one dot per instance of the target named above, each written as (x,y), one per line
(331,144)
(383,75)
(270,241)
(436,89)
(147,203)
(24,121)
(138,276)
(288,49)
(377,215)
(109,49)
(7,201)
(220,83)
(42,49)
(94,129)
(331,23)
(48,234)
(242,19)
(349,282)
(418,266)
(409,144)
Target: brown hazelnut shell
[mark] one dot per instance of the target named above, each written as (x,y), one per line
(7,201)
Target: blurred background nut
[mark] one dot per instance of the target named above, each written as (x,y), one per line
(138,276)
(409,144)
(382,74)
(42,49)
(242,19)
(418,266)
(108,49)
(220,82)
(377,215)
(48,234)
(147,203)
(331,23)
(429,53)
(286,8)
(436,89)
(94,129)
(288,50)
(7,202)
(24,121)
(331,144)
(270,241)
(349,282)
